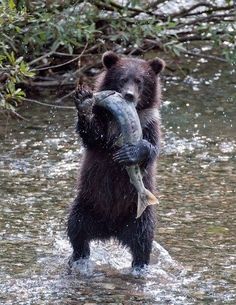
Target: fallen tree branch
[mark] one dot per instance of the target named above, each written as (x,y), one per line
(41,57)
(44,55)
(65,63)
(212,8)
(185,11)
(153,4)
(113,6)
(13,114)
(210,11)
(65,54)
(46,104)
(211,57)
(191,37)
(133,11)
(59,65)
(217,18)
(59,100)
(53,83)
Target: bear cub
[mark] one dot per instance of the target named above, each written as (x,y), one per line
(106,203)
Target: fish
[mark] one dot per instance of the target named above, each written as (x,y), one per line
(126,116)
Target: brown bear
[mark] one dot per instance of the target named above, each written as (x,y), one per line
(106,204)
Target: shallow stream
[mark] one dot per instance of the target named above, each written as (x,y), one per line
(194,254)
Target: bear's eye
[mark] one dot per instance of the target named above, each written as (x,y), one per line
(123,81)
(137,81)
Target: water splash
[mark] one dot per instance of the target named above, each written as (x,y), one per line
(111,255)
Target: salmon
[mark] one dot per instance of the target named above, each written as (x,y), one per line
(126,116)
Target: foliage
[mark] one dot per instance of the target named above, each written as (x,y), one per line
(226,41)
(13,71)
(33,31)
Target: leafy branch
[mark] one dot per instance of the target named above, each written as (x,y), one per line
(12,72)
(59,40)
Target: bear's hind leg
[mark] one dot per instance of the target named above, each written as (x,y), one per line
(77,233)
(138,235)
(141,253)
(81,249)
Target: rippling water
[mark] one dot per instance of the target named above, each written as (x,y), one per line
(193,259)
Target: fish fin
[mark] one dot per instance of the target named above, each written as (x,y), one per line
(145,199)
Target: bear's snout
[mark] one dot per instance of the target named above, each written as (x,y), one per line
(129,96)
(130,92)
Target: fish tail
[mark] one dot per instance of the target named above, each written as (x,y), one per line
(145,199)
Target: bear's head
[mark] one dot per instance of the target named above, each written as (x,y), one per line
(136,79)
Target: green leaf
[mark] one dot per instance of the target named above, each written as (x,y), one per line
(11,87)
(11,57)
(19,93)
(12,5)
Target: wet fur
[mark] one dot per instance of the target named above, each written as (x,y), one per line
(106,202)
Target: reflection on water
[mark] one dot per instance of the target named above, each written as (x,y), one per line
(193,258)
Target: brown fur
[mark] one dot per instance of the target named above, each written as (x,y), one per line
(106,203)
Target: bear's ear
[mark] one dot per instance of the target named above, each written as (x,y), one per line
(109,58)
(157,65)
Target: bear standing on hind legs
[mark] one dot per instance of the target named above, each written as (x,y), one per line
(106,204)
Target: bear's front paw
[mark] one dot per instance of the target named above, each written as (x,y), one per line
(126,155)
(82,93)
(83,99)
(131,154)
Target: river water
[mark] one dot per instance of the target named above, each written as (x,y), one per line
(193,259)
